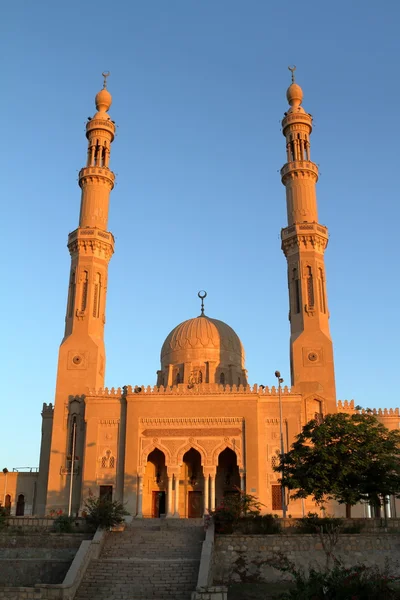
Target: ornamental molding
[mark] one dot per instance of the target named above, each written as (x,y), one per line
(192,421)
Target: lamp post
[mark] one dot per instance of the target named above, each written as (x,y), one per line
(72,467)
(280,381)
(5,471)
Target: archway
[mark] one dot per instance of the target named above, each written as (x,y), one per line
(20,506)
(227,481)
(191,502)
(7,504)
(155,485)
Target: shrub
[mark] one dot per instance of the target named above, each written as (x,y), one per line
(313,523)
(360,582)
(233,508)
(3,517)
(63,524)
(259,524)
(103,512)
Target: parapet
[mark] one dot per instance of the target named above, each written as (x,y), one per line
(184,389)
(348,405)
(47,410)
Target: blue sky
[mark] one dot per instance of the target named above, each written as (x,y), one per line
(198,94)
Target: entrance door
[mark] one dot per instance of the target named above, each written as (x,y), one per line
(158,505)
(195,505)
(106,492)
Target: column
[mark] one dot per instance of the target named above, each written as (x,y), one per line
(212,503)
(242,482)
(169,495)
(140,496)
(176,511)
(206,492)
(169,376)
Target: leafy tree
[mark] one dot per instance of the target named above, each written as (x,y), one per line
(103,512)
(345,457)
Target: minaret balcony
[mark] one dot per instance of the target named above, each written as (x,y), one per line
(100,124)
(299,165)
(102,172)
(303,234)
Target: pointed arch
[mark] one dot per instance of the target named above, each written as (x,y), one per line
(186,447)
(222,446)
(155,446)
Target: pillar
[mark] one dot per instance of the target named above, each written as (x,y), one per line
(176,510)
(242,482)
(140,496)
(169,494)
(212,490)
(206,493)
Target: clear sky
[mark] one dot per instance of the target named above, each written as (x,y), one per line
(198,94)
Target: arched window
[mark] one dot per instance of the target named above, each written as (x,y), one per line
(85,283)
(108,460)
(71,294)
(295,291)
(20,506)
(72,437)
(222,378)
(310,288)
(7,504)
(321,288)
(96,298)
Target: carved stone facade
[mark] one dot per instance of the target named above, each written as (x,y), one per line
(202,432)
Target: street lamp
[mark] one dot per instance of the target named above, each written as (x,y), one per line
(5,471)
(280,381)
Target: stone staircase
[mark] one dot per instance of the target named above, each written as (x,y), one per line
(152,559)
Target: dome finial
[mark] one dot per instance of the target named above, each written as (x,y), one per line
(291,69)
(202,294)
(105,75)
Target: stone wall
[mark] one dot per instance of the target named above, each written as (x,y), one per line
(26,560)
(242,558)
(66,590)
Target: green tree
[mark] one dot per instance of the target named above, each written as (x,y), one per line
(345,457)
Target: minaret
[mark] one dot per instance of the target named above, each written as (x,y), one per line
(304,242)
(81,362)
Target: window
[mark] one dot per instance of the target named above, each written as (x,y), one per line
(71,295)
(296,291)
(276,497)
(72,437)
(222,378)
(274,462)
(96,298)
(7,504)
(108,460)
(20,506)
(321,288)
(310,287)
(85,284)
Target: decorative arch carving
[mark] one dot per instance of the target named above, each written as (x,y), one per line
(188,445)
(221,447)
(155,446)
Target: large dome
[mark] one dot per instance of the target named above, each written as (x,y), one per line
(203,348)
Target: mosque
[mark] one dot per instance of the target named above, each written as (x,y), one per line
(203,431)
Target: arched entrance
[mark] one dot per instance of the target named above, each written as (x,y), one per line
(192,478)
(227,481)
(155,485)
(7,504)
(20,506)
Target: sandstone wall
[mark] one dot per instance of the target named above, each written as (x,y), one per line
(242,558)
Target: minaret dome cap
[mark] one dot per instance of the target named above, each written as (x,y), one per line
(103,100)
(294,95)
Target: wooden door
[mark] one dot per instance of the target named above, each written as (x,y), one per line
(195,505)
(158,504)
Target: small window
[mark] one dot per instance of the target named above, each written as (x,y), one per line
(276,497)
(222,378)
